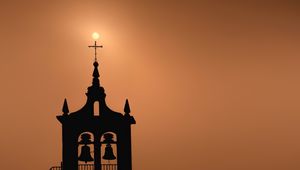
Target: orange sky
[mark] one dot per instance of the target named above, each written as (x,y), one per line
(212,85)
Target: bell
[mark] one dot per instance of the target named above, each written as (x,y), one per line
(109,154)
(85,154)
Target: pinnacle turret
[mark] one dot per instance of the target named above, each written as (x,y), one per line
(127,107)
(65,108)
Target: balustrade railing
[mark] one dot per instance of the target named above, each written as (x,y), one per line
(109,166)
(90,167)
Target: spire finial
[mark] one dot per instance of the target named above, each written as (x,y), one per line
(96,81)
(95,36)
(127,107)
(65,108)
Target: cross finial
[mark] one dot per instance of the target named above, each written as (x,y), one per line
(95,46)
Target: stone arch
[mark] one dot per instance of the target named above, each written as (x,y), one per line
(105,144)
(85,147)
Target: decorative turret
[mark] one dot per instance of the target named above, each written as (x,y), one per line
(127,113)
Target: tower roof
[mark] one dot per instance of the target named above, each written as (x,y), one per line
(96,93)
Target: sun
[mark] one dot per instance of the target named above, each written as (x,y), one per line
(95,36)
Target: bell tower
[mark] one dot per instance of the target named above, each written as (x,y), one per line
(96,137)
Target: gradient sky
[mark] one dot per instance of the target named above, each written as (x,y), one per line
(213,85)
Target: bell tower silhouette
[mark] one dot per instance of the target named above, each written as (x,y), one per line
(95,137)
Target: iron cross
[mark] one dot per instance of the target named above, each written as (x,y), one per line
(95,46)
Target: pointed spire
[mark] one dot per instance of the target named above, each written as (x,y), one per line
(65,108)
(127,107)
(96,75)
(96,82)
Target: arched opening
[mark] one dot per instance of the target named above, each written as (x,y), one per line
(85,150)
(96,108)
(109,156)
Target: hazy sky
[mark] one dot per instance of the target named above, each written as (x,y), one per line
(213,85)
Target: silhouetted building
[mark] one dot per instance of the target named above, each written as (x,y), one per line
(95,137)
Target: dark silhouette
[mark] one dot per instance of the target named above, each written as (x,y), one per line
(88,132)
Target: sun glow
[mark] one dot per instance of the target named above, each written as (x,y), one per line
(95,36)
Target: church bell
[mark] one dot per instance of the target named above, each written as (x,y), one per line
(85,154)
(109,154)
